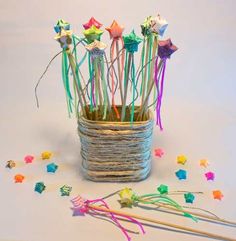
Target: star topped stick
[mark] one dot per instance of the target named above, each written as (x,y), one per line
(115,31)
(92,22)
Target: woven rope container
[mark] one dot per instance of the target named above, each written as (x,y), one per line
(116,151)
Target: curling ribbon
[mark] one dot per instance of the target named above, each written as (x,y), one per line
(82,206)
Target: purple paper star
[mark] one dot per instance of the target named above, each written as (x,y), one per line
(166,48)
(210,176)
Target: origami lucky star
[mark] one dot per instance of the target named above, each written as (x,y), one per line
(92,33)
(52,167)
(115,30)
(181,159)
(158,25)
(61,24)
(96,47)
(46,155)
(131,42)
(10,164)
(189,197)
(92,22)
(217,194)
(39,187)
(210,176)
(65,190)
(145,26)
(181,174)
(64,38)
(163,189)
(166,48)
(203,163)
(126,197)
(19,178)
(29,159)
(159,152)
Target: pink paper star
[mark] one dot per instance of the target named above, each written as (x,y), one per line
(159,152)
(92,21)
(29,159)
(210,176)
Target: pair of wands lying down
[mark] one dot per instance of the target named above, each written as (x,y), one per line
(161,202)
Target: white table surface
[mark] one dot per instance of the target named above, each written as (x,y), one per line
(199,117)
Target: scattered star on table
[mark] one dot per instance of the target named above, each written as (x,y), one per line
(189,197)
(46,155)
(181,159)
(92,22)
(115,30)
(52,167)
(203,163)
(29,159)
(65,190)
(158,152)
(181,174)
(210,176)
(162,189)
(19,178)
(39,187)
(126,195)
(10,164)
(217,194)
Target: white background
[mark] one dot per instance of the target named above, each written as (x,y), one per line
(199,117)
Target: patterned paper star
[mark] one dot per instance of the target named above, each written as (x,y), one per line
(115,30)
(166,48)
(61,24)
(64,37)
(10,164)
(210,176)
(29,159)
(181,159)
(19,178)
(146,26)
(96,48)
(163,189)
(92,22)
(46,155)
(131,42)
(65,190)
(217,194)
(92,33)
(189,197)
(159,152)
(39,187)
(126,197)
(52,167)
(181,174)
(158,25)
(203,163)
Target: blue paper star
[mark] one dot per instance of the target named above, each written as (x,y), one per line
(39,187)
(52,167)
(189,197)
(181,174)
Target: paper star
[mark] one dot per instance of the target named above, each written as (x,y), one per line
(203,163)
(96,48)
(217,194)
(19,178)
(65,190)
(181,159)
(189,197)
(163,189)
(92,22)
(61,24)
(92,33)
(181,174)
(46,155)
(64,38)
(115,30)
(29,159)
(10,164)
(159,152)
(210,176)
(79,206)
(52,167)
(131,42)
(166,48)
(126,197)
(145,26)
(39,187)
(158,25)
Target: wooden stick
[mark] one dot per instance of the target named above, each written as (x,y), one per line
(151,220)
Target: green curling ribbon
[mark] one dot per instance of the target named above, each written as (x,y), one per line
(133,83)
(143,55)
(105,94)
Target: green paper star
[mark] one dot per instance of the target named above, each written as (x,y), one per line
(65,190)
(92,33)
(131,42)
(162,189)
(189,197)
(146,26)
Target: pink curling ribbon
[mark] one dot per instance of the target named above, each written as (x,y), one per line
(160,91)
(81,206)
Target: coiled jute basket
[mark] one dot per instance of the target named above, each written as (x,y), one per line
(116,151)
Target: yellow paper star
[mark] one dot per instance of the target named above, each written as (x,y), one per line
(203,163)
(46,155)
(64,38)
(96,45)
(126,197)
(181,159)
(92,33)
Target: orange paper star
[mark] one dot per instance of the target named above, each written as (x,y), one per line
(115,30)
(217,194)
(19,178)
(203,163)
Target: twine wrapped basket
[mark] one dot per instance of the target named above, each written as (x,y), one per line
(116,151)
